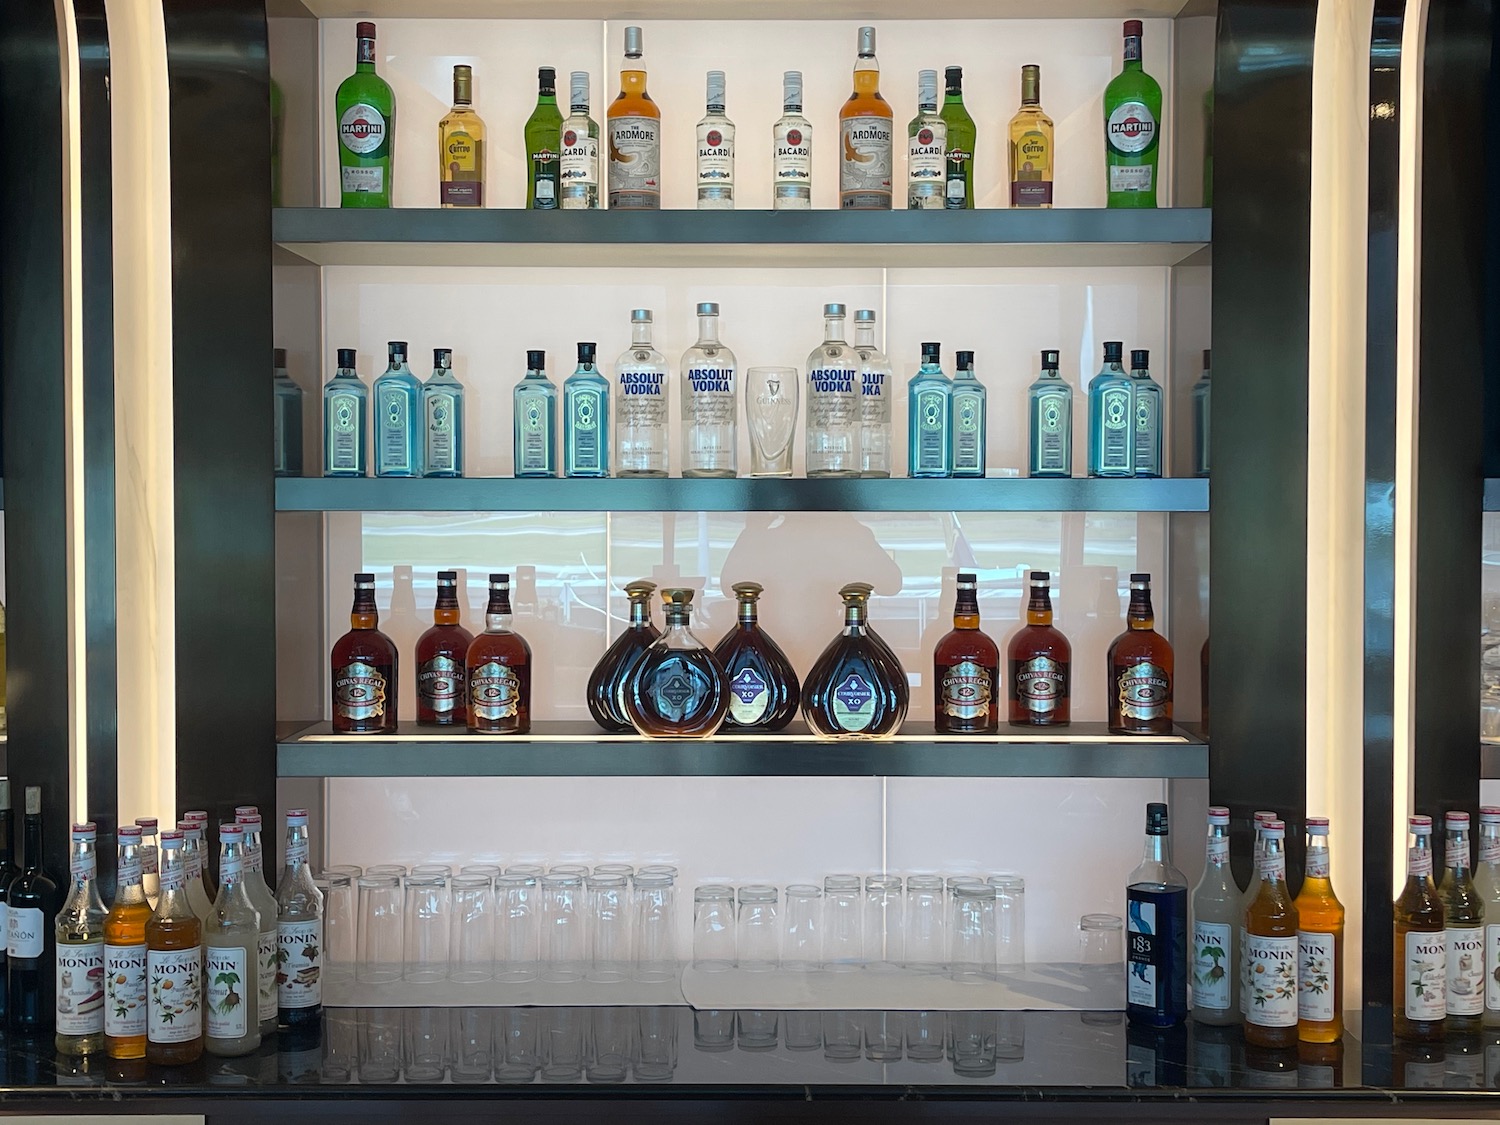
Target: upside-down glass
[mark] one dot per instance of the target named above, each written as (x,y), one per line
(973,932)
(471,1043)
(843,908)
(609,930)
(658,869)
(1010,921)
(611,1038)
(771,416)
(757,934)
(579,869)
(564,929)
(426,1044)
(842,1034)
(653,910)
(713,928)
(380,1042)
(802,930)
(517,1044)
(1101,943)
(443,869)
(625,869)
(428,925)
(518,931)
(926,923)
(535,870)
(473,928)
(340,1044)
(353,870)
(382,932)
(489,870)
(339,941)
(883,915)
(396,869)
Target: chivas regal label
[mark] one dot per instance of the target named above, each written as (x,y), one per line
(966,690)
(853,703)
(1039,684)
(749,696)
(1144,690)
(494,691)
(359,691)
(440,685)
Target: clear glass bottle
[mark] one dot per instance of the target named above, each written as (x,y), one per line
(926,149)
(1463,923)
(1487,883)
(287,439)
(461,149)
(930,440)
(498,668)
(125,954)
(174,966)
(586,418)
(1050,401)
(710,441)
(856,688)
(875,379)
(543,134)
(1320,945)
(199,819)
(1156,911)
(1150,420)
(1112,417)
(231,961)
(1132,129)
(763,688)
(1419,950)
(1271,925)
(634,124)
(641,411)
(299,933)
(398,410)
(1218,915)
(962,138)
(266,945)
(150,875)
(866,136)
(535,401)
(1031,145)
(970,419)
(678,689)
(80,952)
(192,859)
(833,402)
(1140,668)
(715,152)
(791,150)
(1202,397)
(579,177)
(346,421)
(443,415)
(620,658)
(1039,662)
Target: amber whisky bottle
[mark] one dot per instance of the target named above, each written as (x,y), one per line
(852,691)
(441,651)
(365,665)
(763,689)
(1038,662)
(498,669)
(966,670)
(678,690)
(620,659)
(1140,669)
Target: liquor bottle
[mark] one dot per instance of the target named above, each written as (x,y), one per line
(80,952)
(715,151)
(366,109)
(1156,953)
(498,668)
(461,151)
(30,940)
(609,676)
(1140,669)
(894,672)
(1031,146)
(865,133)
(197,839)
(398,409)
(1463,923)
(970,419)
(853,690)
(1217,920)
(926,148)
(763,688)
(586,418)
(1271,926)
(535,402)
(9,873)
(710,447)
(1147,397)
(641,412)
(125,954)
(192,861)
(1202,392)
(231,956)
(1252,889)
(1112,417)
(443,415)
(791,150)
(1487,883)
(1320,945)
(543,137)
(174,966)
(961,140)
(440,654)
(678,689)
(248,818)
(634,123)
(287,432)
(1132,129)
(1051,409)
(365,665)
(1039,660)
(874,399)
(834,419)
(579,166)
(346,420)
(150,875)
(930,439)
(1420,948)
(299,933)
(966,670)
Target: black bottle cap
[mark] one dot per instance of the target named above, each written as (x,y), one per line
(536,361)
(1038,576)
(397,347)
(965,576)
(931,351)
(1146,578)
(346,357)
(1050,360)
(1140,357)
(1113,349)
(1156,819)
(953,75)
(364,579)
(499,580)
(965,360)
(546,78)
(442,357)
(1205,357)
(447,576)
(586,353)
(278,357)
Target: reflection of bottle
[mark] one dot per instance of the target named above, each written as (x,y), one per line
(763,689)
(1271,949)
(1216,925)
(1038,662)
(287,429)
(442,691)
(364,669)
(620,659)
(498,669)
(678,689)
(1202,398)
(1420,948)
(1320,945)
(874,399)
(852,691)
(1140,669)
(1156,925)
(125,954)
(966,670)
(174,957)
(80,952)
(1487,883)
(1463,919)
(1203,676)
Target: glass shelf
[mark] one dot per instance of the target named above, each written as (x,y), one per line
(745,10)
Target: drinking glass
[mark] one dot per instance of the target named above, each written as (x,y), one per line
(609,929)
(713,928)
(1010,921)
(381,930)
(926,923)
(339,944)
(443,869)
(611,1037)
(658,869)
(713,1030)
(535,870)
(473,928)
(973,1042)
(883,914)
(396,869)
(564,914)
(579,869)
(771,414)
(802,1031)
(517,928)
(843,946)
(653,909)
(926,1035)
(517,1044)
(1010,1036)
(757,1030)
(842,1032)
(562,1041)
(380,1034)
(757,938)
(625,869)
(884,1032)
(353,870)
(428,922)
(802,931)
(426,1044)
(471,1042)
(1101,943)
(656,1045)
(973,932)
(340,1044)
(488,870)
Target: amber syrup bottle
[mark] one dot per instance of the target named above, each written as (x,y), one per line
(1420,949)
(365,666)
(1271,949)
(1140,669)
(441,652)
(620,659)
(499,669)
(174,966)
(855,689)
(966,670)
(679,689)
(763,688)
(1038,663)
(1320,945)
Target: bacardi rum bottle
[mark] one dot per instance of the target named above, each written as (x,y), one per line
(1149,414)
(709,407)
(926,149)
(833,402)
(580,150)
(1039,662)
(715,151)
(1132,129)
(1320,945)
(174,966)
(1487,883)
(346,421)
(791,149)
(1140,669)
(875,391)
(678,689)
(535,410)
(1420,946)
(125,954)
(365,665)
(1463,919)
(1217,921)
(1156,932)
(634,124)
(248,818)
(641,409)
(966,670)
(610,675)
(763,688)
(443,418)
(366,109)
(442,690)
(1051,410)
(461,150)
(80,952)
(865,135)
(498,668)
(1271,949)
(231,956)
(299,933)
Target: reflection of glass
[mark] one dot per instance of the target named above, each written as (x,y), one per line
(771,412)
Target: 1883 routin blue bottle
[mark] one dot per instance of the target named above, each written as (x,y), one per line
(1156,952)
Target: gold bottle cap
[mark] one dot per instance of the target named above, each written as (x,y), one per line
(463,85)
(856,592)
(677,596)
(1031,84)
(747,591)
(640,588)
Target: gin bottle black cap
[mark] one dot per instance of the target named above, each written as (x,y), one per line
(536,361)
(442,357)
(447,576)
(1140,358)
(278,357)
(586,353)
(953,75)
(931,351)
(1050,360)
(397,348)
(964,360)
(1113,350)
(364,580)
(1156,819)
(346,357)
(1040,576)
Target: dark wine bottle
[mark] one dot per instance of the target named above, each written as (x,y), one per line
(678,690)
(31,941)
(857,688)
(620,659)
(763,689)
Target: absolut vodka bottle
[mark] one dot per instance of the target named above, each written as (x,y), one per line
(875,391)
(1051,410)
(930,439)
(586,419)
(641,410)
(398,410)
(833,402)
(443,413)
(535,401)
(970,420)
(1111,417)
(709,413)
(1148,415)
(346,421)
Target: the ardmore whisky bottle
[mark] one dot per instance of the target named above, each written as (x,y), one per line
(1271,949)
(442,690)
(365,666)
(634,126)
(763,688)
(80,952)
(619,660)
(1463,921)
(366,109)
(1039,663)
(498,668)
(865,135)
(966,670)
(461,147)
(678,689)
(1140,669)
(1420,947)
(855,689)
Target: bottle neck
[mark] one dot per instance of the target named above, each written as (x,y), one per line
(1457,858)
(931,366)
(83,868)
(1132,52)
(678,617)
(129,874)
(1489,843)
(1157,850)
(866,75)
(364,615)
(1419,859)
(1217,851)
(297,851)
(547,95)
(633,78)
(640,612)
(1273,863)
(791,109)
(833,330)
(748,612)
(854,618)
(966,609)
(497,615)
(173,901)
(708,331)
(1139,617)
(1316,865)
(364,56)
(33,839)
(864,335)
(585,367)
(1051,373)
(446,611)
(953,94)
(640,335)
(1039,609)
(1113,366)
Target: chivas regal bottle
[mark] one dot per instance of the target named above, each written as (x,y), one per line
(365,666)
(498,668)
(763,689)
(966,670)
(441,686)
(1140,669)
(856,689)
(678,690)
(620,659)
(1038,661)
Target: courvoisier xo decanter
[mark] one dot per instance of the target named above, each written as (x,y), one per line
(856,689)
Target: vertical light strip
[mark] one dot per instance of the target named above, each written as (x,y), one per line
(145,530)
(72,419)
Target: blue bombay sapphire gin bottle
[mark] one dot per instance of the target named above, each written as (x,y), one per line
(536,420)
(398,413)
(1148,415)
(443,415)
(970,420)
(930,435)
(586,418)
(1051,409)
(346,421)
(1111,417)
